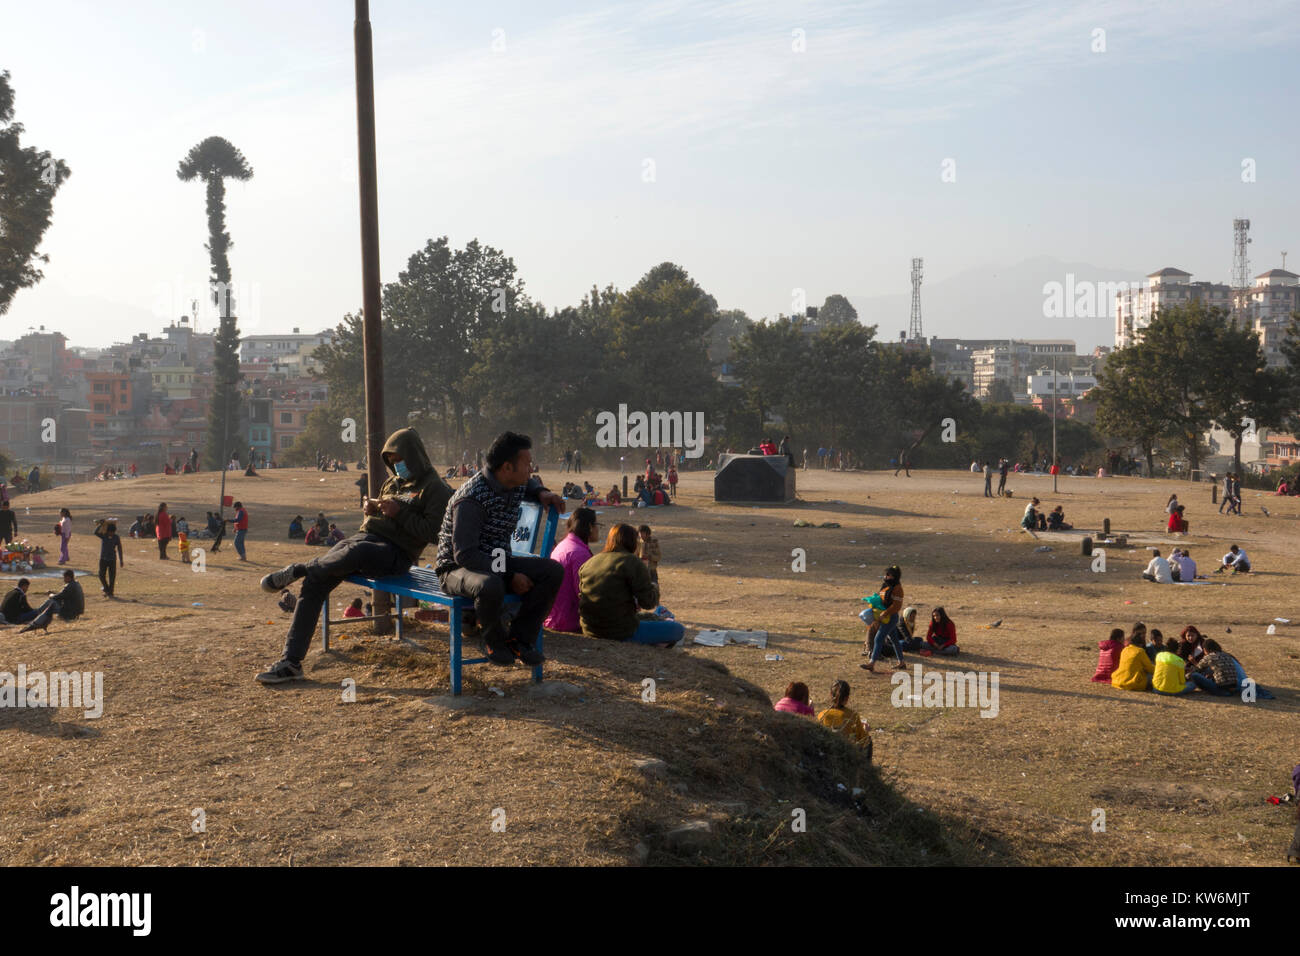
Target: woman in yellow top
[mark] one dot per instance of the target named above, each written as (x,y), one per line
(891,601)
(1135,667)
(844,720)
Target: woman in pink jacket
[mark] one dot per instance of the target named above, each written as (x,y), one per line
(572,553)
(163,530)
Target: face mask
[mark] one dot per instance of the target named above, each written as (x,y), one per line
(402,471)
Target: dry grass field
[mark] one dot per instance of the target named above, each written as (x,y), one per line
(296,776)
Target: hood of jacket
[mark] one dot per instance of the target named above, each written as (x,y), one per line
(405,443)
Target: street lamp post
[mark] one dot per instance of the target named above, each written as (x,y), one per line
(1052,466)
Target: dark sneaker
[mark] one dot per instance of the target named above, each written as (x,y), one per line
(500,654)
(281,672)
(529,655)
(277,581)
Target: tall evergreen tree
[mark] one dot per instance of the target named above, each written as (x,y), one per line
(29,178)
(215,160)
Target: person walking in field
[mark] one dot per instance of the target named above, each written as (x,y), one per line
(64,530)
(1003,467)
(110,547)
(988,480)
(241,529)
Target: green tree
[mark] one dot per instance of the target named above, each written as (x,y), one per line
(214,160)
(658,338)
(1244,394)
(439,308)
(731,324)
(1129,401)
(1182,362)
(29,180)
(836,311)
(772,360)
(1000,393)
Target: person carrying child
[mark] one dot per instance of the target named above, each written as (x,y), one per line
(885,605)
(842,719)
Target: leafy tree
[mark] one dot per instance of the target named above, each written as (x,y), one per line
(836,311)
(29,180)
(1244,392)
(214,160)
(1129,402)
(1181,349)
(440,307)
(1290,348)
(1000,393)
(658,333)
(731,323)
(772,360)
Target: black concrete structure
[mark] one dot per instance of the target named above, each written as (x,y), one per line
(754,478)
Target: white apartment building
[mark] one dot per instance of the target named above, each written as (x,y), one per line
(1168,287)
(293,350)
(1069,384)
(1013,360)
(1272,299)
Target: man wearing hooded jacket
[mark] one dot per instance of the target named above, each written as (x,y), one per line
(397,526)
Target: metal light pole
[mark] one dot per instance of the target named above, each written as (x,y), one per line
(372,343)
(1051,467)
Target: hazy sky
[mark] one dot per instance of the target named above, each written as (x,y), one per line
(774,168)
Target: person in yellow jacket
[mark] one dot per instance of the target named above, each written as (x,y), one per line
(1170,675)
(845,720)
(1135,666)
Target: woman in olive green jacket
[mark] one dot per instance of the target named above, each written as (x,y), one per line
(612,585)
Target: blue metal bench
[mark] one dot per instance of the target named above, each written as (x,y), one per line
(534,536)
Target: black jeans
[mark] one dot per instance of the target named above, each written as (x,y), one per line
(488,592)
(108,575)
(363,553)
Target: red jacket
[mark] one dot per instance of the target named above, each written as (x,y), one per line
(942,636)
(241,519)
(163,525)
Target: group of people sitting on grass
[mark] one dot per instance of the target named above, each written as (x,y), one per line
(1288,487)
(1035,519)
(892,627)
(1178,568)
(1170,666)
(838,717)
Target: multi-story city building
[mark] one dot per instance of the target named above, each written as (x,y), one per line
(1269,306)
(1012,360)
(1134,308)
(293,350)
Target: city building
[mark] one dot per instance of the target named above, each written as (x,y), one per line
(1012,360)
(293,350)
(1269,305)
(1134,308)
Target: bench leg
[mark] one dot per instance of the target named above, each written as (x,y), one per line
(399,616)
(537,671)
(453,622)
(325,625)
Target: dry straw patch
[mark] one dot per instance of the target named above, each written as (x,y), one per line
(295,775)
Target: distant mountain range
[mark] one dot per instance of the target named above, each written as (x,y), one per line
(1004,302)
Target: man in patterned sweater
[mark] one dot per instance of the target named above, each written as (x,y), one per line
(474,556)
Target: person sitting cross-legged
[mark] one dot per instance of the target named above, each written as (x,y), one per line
(396,528)
(475,559)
